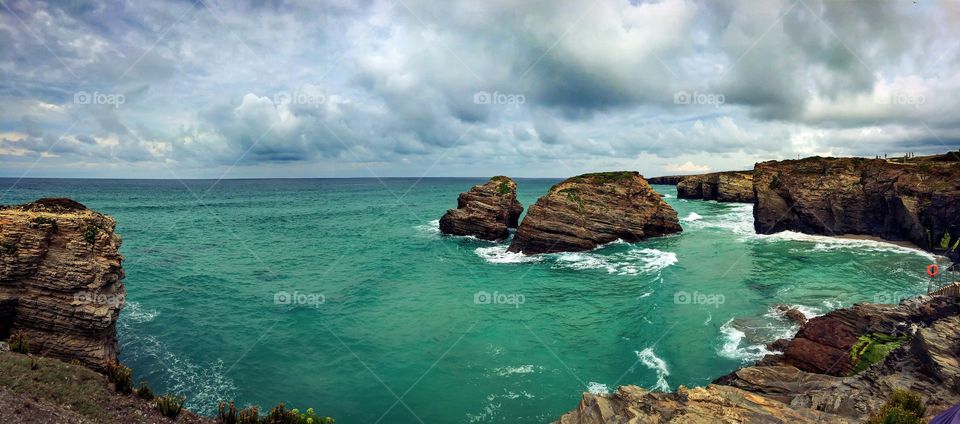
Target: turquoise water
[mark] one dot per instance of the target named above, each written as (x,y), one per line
(398,317)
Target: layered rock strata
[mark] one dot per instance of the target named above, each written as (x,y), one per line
(487,211)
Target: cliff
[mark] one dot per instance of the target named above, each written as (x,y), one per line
(60,280)
(667,179)
(732,186)
(589,210)
(487,211)
(839,368)
(913,201)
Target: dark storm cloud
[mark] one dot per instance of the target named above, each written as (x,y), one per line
(194,85)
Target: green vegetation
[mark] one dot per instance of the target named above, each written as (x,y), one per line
(144,392)
(573,195)
(872,348)
(120,377)
(8,248)
(902,407)
(75,388)
(42,221)
(503,187)
(90,235)
(945,241)
(170,405)
(230,415)
(955,245)
(19,343)
(280,415)
(604,177)
(776,182)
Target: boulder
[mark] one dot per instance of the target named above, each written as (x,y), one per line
(732,186)
(590,210)
(60,280)
(485,212)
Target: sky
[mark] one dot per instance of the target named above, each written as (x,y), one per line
(525,88)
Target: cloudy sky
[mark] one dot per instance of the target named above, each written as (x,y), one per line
(206,88)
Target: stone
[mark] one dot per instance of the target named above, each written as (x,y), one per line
(730,186)
(487,211)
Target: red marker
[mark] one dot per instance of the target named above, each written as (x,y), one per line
(933,270)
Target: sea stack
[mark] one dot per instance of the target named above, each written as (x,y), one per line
(731,186)
(60,280)
(486,211)
(916,201)
(589,210)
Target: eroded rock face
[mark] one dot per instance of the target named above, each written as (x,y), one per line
(486,211)
(589,210)
(667,179)
(60,280)
(733,186)
(917,202)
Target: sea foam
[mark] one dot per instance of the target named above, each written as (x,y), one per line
(652,361)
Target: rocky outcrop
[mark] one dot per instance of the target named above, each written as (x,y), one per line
(666,179)
(732,186)
(813,380)
(485,212)
(917,202)
(60,280)
(589,210)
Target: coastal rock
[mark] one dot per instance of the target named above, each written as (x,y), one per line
(666,179)
(60,280)
(485,212)
(589,210)
(917,202)
(732,186)
(793,314)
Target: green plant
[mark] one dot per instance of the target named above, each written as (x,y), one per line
(902,407)
(280,415)
(43,221)
(955,245)
(503,188)
(170,405)
(120,376)
(776,182)
(945,241)
(227,415)
(90,235)
(19,343)
(872,348)
(144,392)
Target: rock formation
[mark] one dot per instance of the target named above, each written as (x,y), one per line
(60,280)
(817,379)
(732,186)
(667,179)
(589,210)
(917,202)
(486,211)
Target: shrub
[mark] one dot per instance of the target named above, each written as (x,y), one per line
(120,376)
(90,235)
(902,407)
(170,405)
(19,343)
(144,392)
(280,415)
(873,348)
(230,415)
(43,221)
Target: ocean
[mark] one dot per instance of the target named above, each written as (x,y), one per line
(342,295)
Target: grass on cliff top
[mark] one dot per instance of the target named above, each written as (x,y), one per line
(597,178)
(77,388)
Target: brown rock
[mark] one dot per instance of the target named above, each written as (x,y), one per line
(667,179)
(731,186)
(486,211)
(589,210)
(915,202)
(60,280)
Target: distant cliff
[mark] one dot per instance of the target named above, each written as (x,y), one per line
(915,201)
(730,186)
(667,179)
(60,280)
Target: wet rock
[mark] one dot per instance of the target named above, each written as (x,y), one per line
(590,210)
(485,212)
(732,186)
